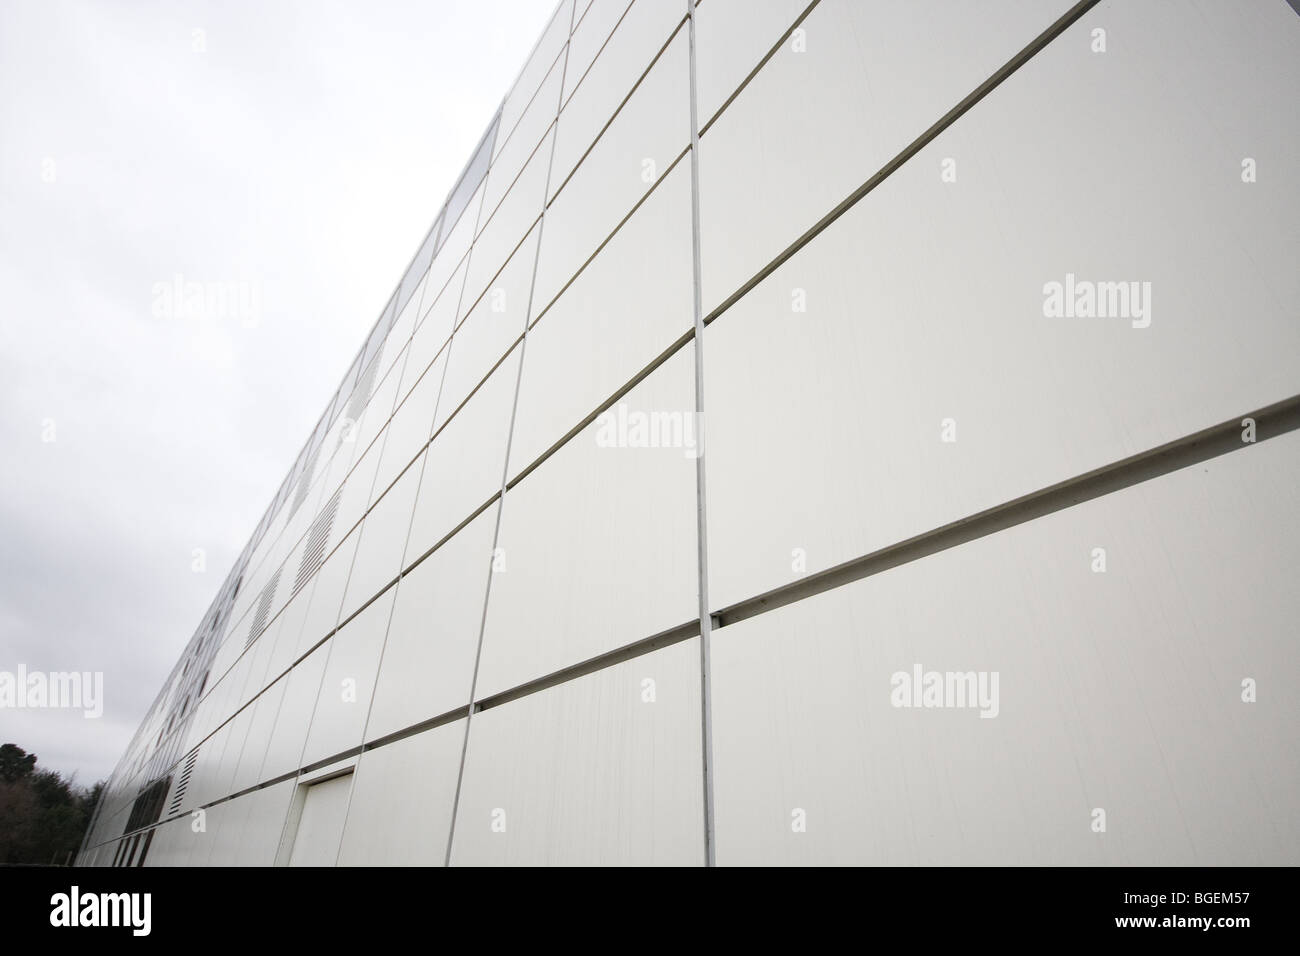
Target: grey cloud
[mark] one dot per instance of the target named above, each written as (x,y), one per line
(305,151)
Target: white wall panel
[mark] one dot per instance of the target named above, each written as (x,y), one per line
(400,812)
(284,753)
(550,46)
(260,654)
(429,654)
(340,465)
(591,32)
(231,818)
(204,786)
(596,548)
(358,490)
(288,548)
(591,103)
(466,460)
(590,772)
(814,125)
(349,682)
(450,258)
(625,309)
(430,339)
(732,36)
(383,540)
(237,683)
(491,326)
(289,630)
(527,136)
(829,422)
(196,731)
(403,326)
(168,847)
(230,650)
(204,843)
(263,823)
(505,227)
(236,738)
(378,410)
(410,429)
(266,710)
(327,595)
(1119,690)
(580,9)
(637,148)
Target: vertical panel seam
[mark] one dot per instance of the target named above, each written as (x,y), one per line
(505,466)
(701,513)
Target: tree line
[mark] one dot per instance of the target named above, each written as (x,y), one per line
(43,817)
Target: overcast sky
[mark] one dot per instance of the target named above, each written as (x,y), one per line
(293,152)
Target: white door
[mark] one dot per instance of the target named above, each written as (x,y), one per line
(320,828)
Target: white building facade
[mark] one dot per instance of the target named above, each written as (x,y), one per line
(833,432)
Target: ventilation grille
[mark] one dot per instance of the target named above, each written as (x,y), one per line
(263,610)
(183,783)
(317,538)
(304,482)
(361,394)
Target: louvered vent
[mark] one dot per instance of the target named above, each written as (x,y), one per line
(317,538)
(187,771)
(304,482)
(263,610)
(361,394)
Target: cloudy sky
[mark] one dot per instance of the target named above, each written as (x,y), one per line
(291,152)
